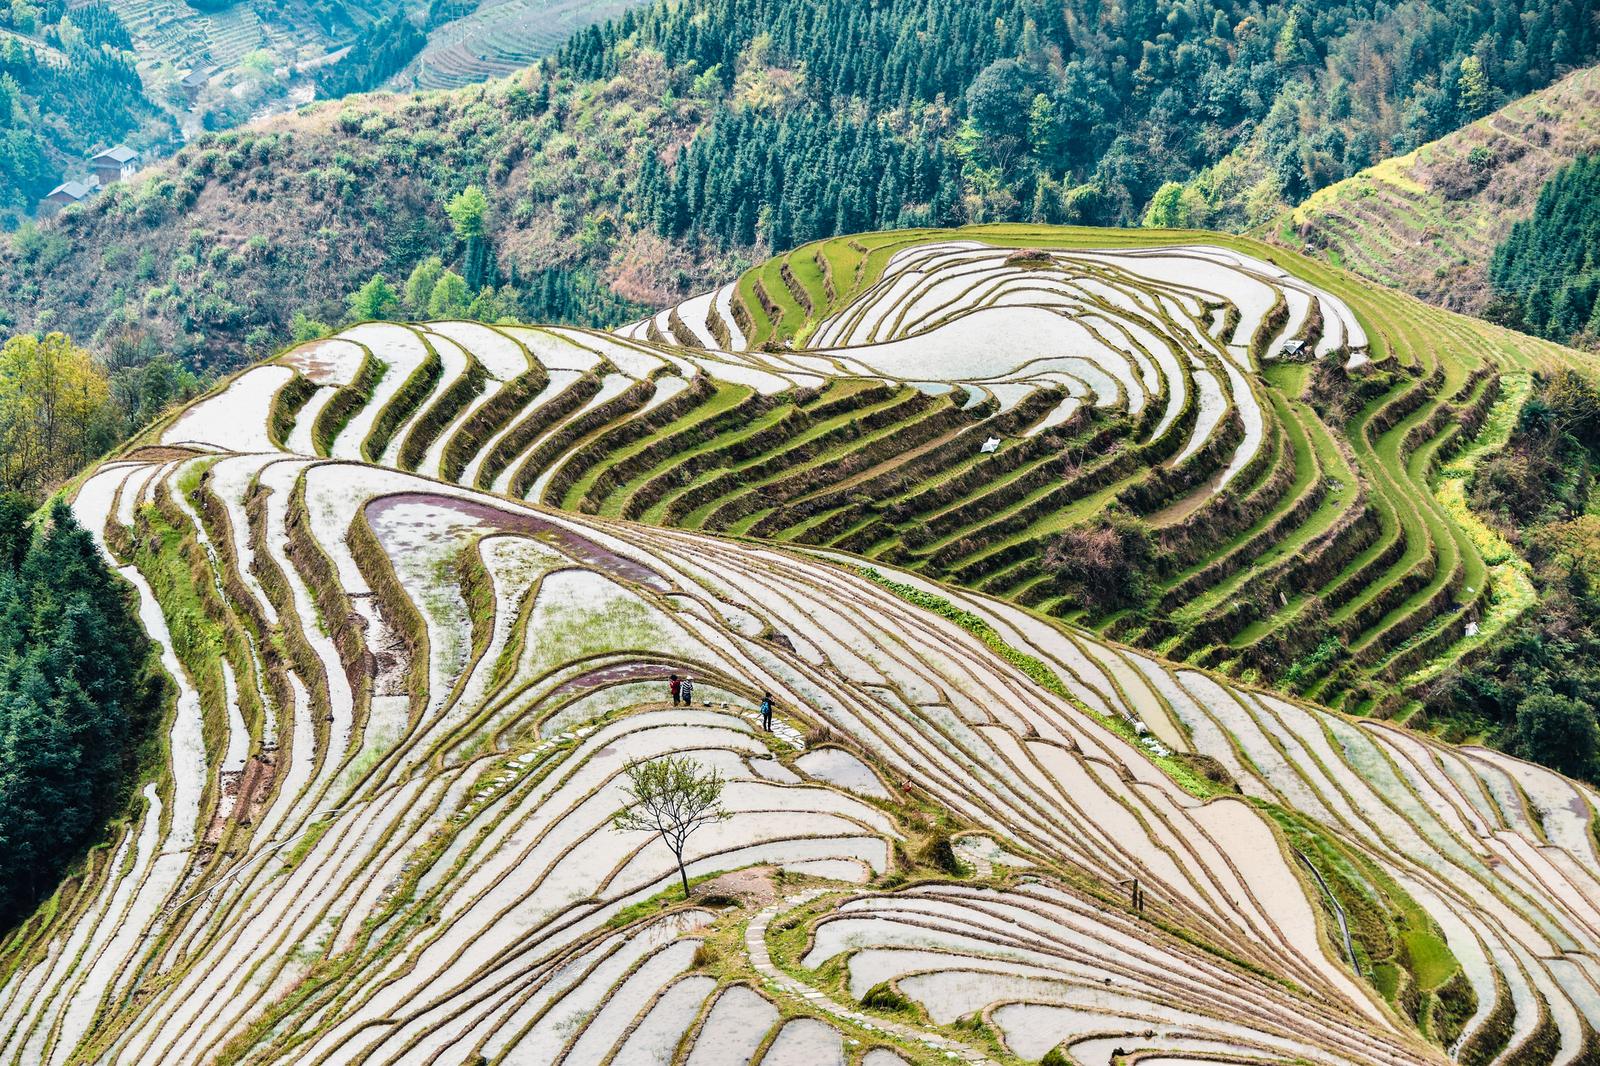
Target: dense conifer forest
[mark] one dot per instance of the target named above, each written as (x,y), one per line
(1547,271)
(76,700)
(1077,112)
(381,50)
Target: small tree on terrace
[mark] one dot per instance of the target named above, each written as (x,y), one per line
(374,301)
(671,797)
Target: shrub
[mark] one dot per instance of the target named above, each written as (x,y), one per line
(1107,564)
(884,996)
(1559,732)
(1209,768)
(941,855)
(1314,663)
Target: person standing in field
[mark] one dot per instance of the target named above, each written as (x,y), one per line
(686,690)
(766,711)
(675,687)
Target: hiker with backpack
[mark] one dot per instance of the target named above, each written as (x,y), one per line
(766,711)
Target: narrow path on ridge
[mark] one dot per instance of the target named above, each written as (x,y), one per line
(755,942)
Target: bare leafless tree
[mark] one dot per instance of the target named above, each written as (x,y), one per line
(672,797)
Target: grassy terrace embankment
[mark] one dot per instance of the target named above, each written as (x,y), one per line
(1291,506)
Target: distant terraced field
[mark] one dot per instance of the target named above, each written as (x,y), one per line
(501,36)
(171,31)
(1428,221)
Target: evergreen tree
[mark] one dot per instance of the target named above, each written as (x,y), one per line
(75,700)
(1559,732)
(450,296)
(374,301)
(419,286)
(469,217)
(1547,270)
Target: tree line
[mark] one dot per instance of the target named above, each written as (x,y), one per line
(670,148)
(791,179)
(77,699)
(434,291)
(380,52)
(61,407)
(1546,273)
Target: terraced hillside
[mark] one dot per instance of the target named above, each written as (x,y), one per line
(172,31)
(842,396)
(500,37)
(403,710)
(1428,222)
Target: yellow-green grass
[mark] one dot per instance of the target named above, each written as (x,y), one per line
(722,399)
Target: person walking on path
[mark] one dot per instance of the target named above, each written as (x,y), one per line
(676,688)
(766,711)
(686,690)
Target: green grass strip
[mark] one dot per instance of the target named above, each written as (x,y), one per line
(978,627)
(1511,590)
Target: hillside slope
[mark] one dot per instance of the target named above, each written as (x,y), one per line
(1428,222)
(665,149)
(404,708)
(203,256)
(499,37)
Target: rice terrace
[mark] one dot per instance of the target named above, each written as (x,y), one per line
(1093,577)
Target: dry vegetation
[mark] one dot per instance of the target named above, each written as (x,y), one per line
(1429,222)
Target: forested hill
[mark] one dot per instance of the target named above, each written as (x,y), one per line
(1429,221)
(663,150)
(68,88)
(1546,273)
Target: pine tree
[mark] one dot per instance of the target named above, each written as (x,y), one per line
(75,700)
